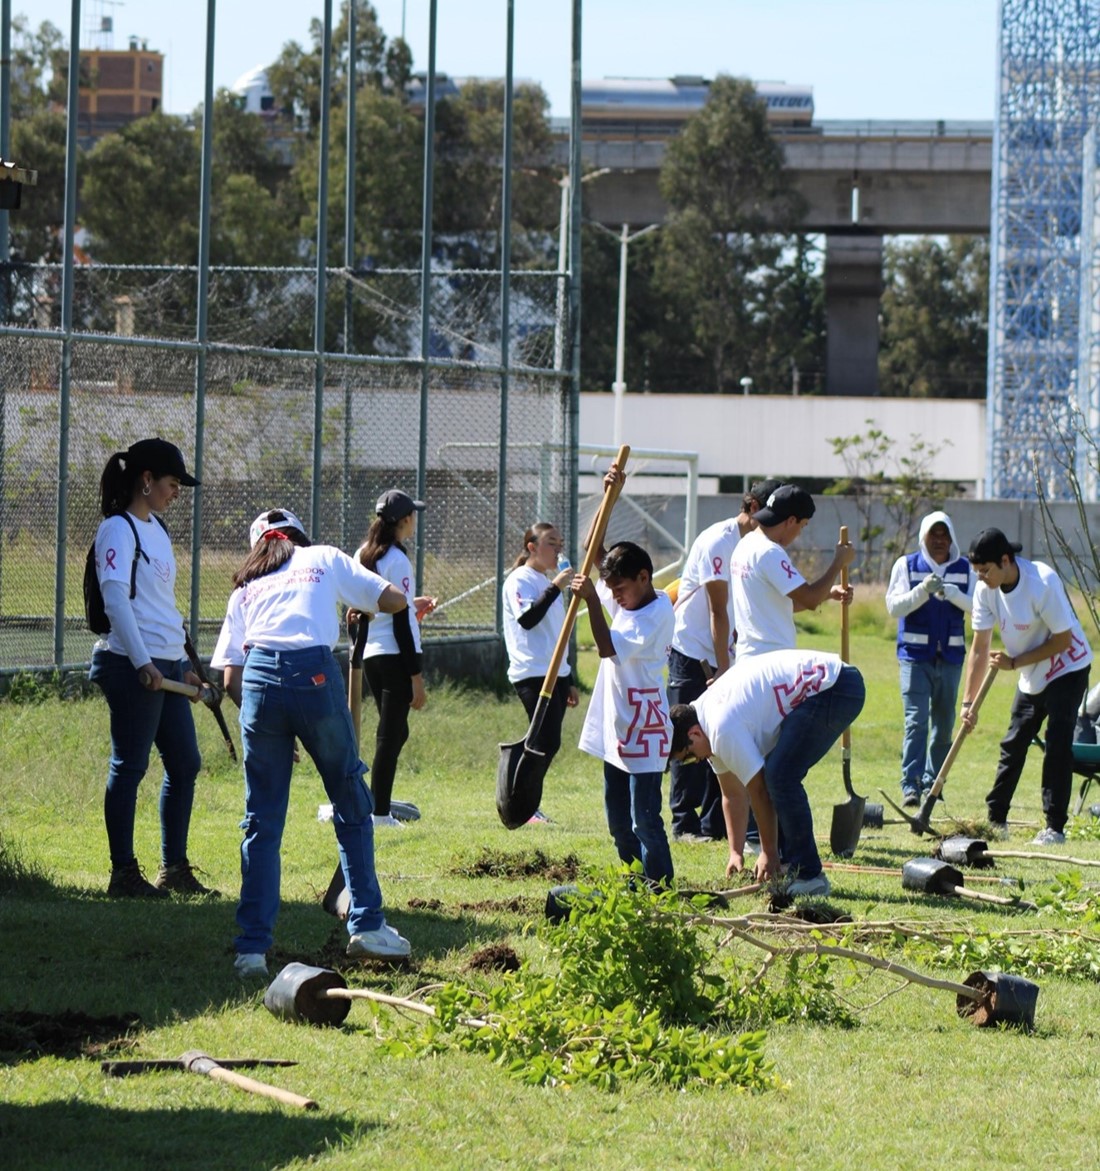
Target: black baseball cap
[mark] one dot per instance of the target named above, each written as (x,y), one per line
(762,489)
(785,502)
(395,505)
(159,457)
(991,545)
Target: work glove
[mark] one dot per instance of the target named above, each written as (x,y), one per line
(932,585)
(951,592)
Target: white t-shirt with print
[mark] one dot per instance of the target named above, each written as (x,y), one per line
(1026,617)
(229,650)
(708,560)
(762,577)
(530,651)
(627,722)
(154,603)
(297,606)
(742,712)
(397,569)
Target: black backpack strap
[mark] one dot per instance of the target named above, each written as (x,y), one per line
(138,552)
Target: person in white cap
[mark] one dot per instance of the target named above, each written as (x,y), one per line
(392,656)
(142,645)
(276,644)
(930,593)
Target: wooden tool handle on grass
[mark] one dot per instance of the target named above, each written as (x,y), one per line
(595,540)
(251,1086)
(985,897)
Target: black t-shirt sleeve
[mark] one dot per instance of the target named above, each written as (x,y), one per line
(537,611)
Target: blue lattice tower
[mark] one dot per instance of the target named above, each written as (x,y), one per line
(1049,95)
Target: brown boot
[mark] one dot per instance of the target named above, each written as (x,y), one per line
(128,882)
(179,878)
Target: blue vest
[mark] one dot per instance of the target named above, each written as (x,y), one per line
(936,628)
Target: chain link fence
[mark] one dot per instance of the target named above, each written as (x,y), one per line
(251,396)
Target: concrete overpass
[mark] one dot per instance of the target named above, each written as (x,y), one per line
(861,181)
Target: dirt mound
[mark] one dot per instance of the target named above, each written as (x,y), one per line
(64,1034)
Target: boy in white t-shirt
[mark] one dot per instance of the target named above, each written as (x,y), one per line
(767,587)
(763,726)
(627,723)
(1027,604)
(702,649)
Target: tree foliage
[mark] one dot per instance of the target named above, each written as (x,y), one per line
(935,308)
(727,288)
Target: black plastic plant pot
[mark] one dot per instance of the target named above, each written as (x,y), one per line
(873,816)
(297,994)
(1005,1000)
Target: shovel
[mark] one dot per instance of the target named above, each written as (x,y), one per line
(336,900)
(919,824)
(522,768)
(847,817)
(194,1061)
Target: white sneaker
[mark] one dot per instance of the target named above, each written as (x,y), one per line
(817,886)
(1049,837)
(386,821)
(324,812)
(250,964)
(382,944)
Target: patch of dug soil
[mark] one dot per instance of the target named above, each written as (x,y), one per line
(497,957)
(64,1034)
(516,906)
(531,864)
(417,904)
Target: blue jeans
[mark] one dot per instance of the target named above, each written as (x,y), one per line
(692,786)
(804,738)
(633,804)
(139,719)
(288,694)
(928,694)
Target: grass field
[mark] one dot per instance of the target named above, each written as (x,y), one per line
(912,1086)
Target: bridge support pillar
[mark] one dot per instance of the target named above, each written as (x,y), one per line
(853,285)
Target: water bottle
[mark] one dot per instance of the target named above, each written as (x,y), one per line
(564,562)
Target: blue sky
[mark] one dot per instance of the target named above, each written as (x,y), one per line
(884,59)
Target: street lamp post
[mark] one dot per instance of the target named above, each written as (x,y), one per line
(618,387)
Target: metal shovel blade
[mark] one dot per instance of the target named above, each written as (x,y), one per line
(520,774)
(847,817)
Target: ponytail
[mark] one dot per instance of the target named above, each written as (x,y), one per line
(381,537)
(116,485)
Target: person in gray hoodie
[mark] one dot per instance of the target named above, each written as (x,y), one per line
(931,591)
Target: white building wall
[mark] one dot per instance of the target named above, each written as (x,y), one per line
(785,435)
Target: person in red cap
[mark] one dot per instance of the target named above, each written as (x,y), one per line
(144,646)
(392,656)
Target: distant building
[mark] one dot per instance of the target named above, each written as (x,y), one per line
(255,91)
(118,86)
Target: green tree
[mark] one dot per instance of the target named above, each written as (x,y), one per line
(935,308)
(732,216)
(140,195)
(38,142)
(38,67)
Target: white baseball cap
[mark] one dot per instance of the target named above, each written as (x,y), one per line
(273,518)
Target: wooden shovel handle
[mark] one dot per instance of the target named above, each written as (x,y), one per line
(188,689)
(595,540)
(845,647)
(251,1086)
(960,736)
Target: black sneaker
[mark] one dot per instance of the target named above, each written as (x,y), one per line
(128,882)
(179,878)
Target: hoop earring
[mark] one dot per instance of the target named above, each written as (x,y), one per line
(147,490)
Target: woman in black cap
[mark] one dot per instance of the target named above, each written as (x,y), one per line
(392,655)
(143,647)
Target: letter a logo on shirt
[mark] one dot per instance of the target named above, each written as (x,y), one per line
(647,724)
